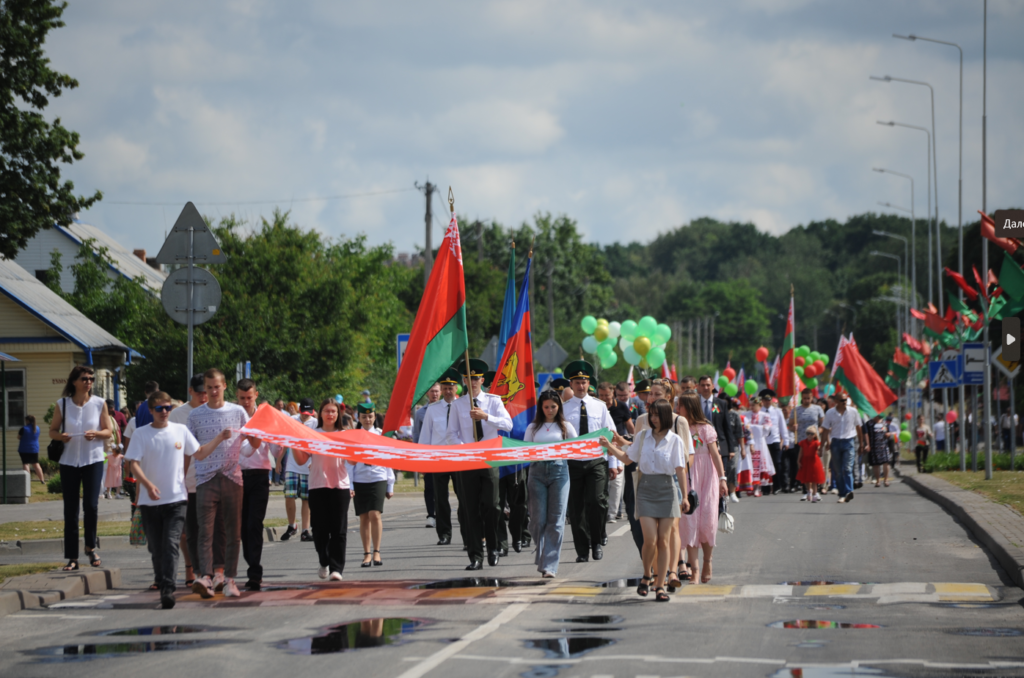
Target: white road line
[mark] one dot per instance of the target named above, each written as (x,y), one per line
(57,616)
(621,531)
(655,659)
(435,660)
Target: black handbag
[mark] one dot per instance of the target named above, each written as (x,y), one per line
(691,497)
(56,447)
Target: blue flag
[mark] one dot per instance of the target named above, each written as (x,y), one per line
(508,309)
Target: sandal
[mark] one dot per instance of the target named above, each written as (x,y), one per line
(673,582)
(643,589)
(887,483)
(366,563)
(154,587)
(660,595)
(377,562)
(72,566)
(94,558)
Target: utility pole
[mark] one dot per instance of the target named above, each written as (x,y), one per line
(429,190)
(551,299)
(986,422)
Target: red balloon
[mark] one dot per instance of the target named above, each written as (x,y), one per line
(800,362)
(810,371)
(819,366)
(761,354)
(729,373)
(950,417)
(908,416)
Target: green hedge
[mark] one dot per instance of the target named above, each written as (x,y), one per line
(53,486)
(950,461)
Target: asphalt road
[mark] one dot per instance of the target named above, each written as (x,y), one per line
(898,562)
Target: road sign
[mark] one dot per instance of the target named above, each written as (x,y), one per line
(544,378)
(1008,367)
(551,355)
(975,363)
(175,249)
(945,373)
(243,371)
(490,354)
(205,297)
(401,343)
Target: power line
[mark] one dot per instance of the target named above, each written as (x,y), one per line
(341,196)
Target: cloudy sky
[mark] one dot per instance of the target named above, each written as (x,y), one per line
(632,118)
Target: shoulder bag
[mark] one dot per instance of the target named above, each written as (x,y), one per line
(56,447)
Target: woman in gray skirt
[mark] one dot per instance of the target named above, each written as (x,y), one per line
(661,458)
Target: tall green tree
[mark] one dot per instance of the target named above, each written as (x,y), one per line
(32,195)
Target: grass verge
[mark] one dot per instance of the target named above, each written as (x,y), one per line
(1006,487)
(54,529)
(7,571)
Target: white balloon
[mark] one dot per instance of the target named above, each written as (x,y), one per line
(623,343)
(614,328)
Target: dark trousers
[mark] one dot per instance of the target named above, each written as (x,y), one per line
(90,479)
(328,516)
(775,449)
(921,456)
(442,507)
(255,495)
(790,459)
(478,510)
(629,498)
(192,536)
(588,503)
(163,525)
(512,493)
(428,494)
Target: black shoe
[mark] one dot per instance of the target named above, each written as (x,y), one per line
(503,552)
(492,558)
(167,602)
(604,540)
(517,546)
(464,547)
(288,533)
(444,541)
(784,490)
(306,536)
(366,563)
(582,559)
(598,552)
(849,498)
(253,585)
(475,565)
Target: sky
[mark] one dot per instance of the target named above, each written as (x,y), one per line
(631,118)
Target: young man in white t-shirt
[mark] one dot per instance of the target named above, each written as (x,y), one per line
(157,458)
(190,538)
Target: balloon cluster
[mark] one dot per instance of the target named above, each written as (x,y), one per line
(642,343)
(810,365)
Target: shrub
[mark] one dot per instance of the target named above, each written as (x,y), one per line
(49,466)
(53,485)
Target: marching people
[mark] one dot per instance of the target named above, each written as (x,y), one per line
(548,484)
(190,536)
(561,386)
(715,412)
(754,466)
(434,431)
(256,464)
(923,436)
(810,472)
(330,491)
(736,430)
(478,416)
(878,448)
(623,420)
(433,395)
(778,440)
(841,428)
(661,495)
(371,485)
(588,498)
(296,478)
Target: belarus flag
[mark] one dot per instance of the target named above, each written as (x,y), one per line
(786,383)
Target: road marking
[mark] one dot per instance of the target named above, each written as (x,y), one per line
(435,660)
(962,590)
(58,616)
(705,590)
(621,531)
(833,590)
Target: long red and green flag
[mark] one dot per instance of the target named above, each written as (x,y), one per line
(785,385)
(438,338)
(358,446)
(867,390)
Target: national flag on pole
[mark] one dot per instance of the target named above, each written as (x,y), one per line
(771,379)
(839,354)
(675,375)
(867,390)
(785,385)
(665,374)
(741,379)
(632,384)
(508,309)
(514,378)
(988,231)
(438,338)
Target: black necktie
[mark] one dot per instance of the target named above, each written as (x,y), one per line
(584,423)
(478,425)
(448,417)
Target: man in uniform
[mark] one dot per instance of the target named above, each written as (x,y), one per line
(561,385)
(588,480)
(478,416)
(433,395)
(434,431)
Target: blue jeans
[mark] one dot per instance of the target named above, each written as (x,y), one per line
(843,456)
(549,498)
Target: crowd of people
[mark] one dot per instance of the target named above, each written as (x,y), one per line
(676,455)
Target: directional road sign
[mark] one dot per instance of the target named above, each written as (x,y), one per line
(205,297)
(975,363)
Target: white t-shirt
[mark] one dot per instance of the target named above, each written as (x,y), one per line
(301,469)
(161,453)
(369,473)
(179,415)
(658,458)
(327,472)
(940,430)
(841,426)
(549,433)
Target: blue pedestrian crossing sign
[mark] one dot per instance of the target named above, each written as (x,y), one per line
(947,372)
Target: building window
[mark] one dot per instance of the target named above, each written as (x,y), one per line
(43,275)
(15,398)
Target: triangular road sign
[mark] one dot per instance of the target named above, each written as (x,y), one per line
(944,376)
(205,246)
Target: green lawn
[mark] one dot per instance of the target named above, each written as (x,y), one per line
(26,568)
(1006,487)
(54,529)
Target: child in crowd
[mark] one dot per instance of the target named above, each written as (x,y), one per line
(810,471)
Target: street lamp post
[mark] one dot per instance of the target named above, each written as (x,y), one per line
(906,256)
(913,234)
(899,271)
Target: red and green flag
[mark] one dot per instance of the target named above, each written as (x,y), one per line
(867,390)
(785,386)
(438,338)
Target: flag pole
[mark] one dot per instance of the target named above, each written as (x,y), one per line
(468,375)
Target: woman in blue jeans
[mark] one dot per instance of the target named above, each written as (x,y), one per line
(548,485)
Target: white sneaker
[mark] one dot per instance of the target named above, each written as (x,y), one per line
(733,498)
(218,581)
(816,498)
(431,522)
(231,589)
(806,497)
(335,576)
(322,572)
(203,586)
(833,491)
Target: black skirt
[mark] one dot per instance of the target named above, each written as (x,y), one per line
(370,496)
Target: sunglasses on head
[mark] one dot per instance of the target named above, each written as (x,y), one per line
(163,408)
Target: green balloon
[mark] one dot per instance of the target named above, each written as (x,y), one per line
(604,351)
(646,327)
(905,436)
(590,344)
(662,333)
(731,390)
(631,356)
(799,370)
(804,351)
(750,386)
(589,324)
(607,362)
(811,382)
(628,330)
(904,427)
(722,381)
(824,358)
(655,357)
(814,356)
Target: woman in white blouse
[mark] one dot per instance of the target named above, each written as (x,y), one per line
(81,422)
(371,485)
(548,484)
(660,456)
(329,497)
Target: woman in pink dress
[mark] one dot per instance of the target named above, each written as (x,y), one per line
(707,478)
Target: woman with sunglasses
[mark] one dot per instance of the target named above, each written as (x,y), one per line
(81,422)
(548,484)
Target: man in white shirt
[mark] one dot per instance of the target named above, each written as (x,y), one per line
(296,479)
(190,538)
(433,394)
(1005,425)
(778,439)
(841,428)
(478,416)
(588,480)
(434,431)
(256,464)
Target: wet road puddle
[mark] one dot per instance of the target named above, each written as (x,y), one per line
(829,672)
(824,608)
(820,624)
(592,619)
(579,629)
(810,644)
(478,582)
(565,647)
(987,632)
(809,582)
(88,651)
(355,635)
(621,583)
(154,631)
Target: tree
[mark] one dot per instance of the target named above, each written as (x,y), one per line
(32,196)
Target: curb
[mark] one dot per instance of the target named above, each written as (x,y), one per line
(991,530)
(30,547)
(36,590)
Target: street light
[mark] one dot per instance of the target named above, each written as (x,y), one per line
(928,148)
(876,253)
(847,306)
(913,233)
(935,173)
(960,162)
(906,256)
